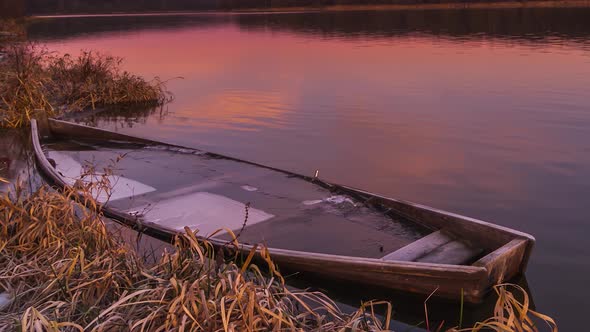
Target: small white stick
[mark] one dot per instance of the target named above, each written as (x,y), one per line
(5,301)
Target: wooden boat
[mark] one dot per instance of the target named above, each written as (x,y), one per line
(338,232)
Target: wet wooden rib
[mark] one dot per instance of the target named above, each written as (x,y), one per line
(504,262)
(438,247)
(455,253)
(419,248)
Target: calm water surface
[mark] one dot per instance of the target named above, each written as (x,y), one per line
(482,112)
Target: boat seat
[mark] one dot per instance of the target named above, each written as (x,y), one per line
(454,252)
(438,247)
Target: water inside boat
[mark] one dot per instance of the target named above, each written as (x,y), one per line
(175,187)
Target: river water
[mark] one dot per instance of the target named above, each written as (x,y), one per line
(480,112)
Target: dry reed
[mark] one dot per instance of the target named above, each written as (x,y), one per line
(511,314)
(23,82)
(92,79)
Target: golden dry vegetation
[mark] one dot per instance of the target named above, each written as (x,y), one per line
(33,80)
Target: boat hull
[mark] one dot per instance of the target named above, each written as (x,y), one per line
(507,255)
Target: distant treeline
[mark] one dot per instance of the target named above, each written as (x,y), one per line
(110,6)
(529,24)
(113,6)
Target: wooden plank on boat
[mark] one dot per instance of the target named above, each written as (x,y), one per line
(419,248)
(504,262)
(454,252)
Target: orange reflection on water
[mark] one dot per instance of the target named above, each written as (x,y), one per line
(240,110)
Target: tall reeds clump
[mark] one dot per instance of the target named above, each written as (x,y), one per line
(32,80)
(23,86)
(92,79)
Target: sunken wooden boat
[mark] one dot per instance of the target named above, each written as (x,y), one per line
(308,225)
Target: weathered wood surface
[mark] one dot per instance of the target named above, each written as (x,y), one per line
(454,252)
(506,262)
(438,247)
(419,248)
(508,248)
(72,130)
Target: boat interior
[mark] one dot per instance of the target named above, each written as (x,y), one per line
(177,187)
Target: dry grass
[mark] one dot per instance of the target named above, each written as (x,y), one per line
(65,271)
(33,80)
(92,79)
(511,314)
(23,86)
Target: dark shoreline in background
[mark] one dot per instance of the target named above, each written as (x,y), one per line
(310,5)
(422,5)
(531,25)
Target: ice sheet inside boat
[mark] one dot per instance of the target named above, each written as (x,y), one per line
(175,188)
